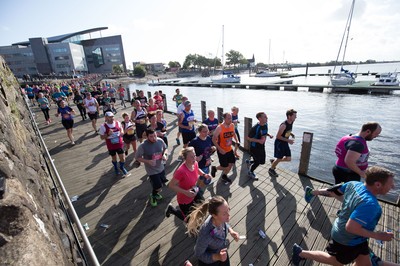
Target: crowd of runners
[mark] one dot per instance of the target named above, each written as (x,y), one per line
(145,130)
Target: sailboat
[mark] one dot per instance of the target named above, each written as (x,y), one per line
(227,76)
(345,77)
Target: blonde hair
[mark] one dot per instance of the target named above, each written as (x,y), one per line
(186,150)
(197,217)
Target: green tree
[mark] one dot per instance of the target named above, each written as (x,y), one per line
(117,69)
(139,71)
(233,58)
(172,64)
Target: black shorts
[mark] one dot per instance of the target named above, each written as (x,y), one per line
(226,159)
(31,97)
(258,154)
(114,152)
(346,254)
(341,175)
(188,136)
(113,100)
(140,129)
(68,123)
(93,116)
(281,149)
(157,180)
(129,138)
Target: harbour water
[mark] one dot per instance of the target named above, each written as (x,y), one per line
(328,116)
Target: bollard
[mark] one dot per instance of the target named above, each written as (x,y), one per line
(220,113)
(248,123)
(203,111)
(305,153)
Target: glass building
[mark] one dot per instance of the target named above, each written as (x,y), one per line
(70,54)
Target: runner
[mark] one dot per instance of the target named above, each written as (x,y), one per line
(67,119)
(235,121)
(129,137)
(186,123)
(93,109)
(211,122)
(139,117)
(44,106)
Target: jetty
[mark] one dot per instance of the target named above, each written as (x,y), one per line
(124,229)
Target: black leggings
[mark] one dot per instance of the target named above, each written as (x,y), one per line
(82,110)
(46,114)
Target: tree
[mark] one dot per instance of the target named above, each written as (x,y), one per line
(139,71)
(172,64)
(233,58)
(117,69)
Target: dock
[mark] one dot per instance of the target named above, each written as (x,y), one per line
(124,229)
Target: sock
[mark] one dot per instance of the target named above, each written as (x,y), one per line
(115,166)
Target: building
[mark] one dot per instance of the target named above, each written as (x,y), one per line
(68,54)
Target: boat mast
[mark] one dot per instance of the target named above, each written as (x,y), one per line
(346,33)
(223,62)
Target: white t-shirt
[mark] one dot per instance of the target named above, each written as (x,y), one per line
(91,105)
(180,109)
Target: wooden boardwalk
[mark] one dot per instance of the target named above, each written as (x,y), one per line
(139,234)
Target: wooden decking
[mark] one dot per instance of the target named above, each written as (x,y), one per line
(139,234)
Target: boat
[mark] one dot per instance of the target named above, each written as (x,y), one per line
(266,73)
(345,77)
(387,79)
(227,76)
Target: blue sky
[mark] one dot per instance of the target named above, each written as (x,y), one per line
(299,31)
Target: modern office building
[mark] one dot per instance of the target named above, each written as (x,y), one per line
(73,53)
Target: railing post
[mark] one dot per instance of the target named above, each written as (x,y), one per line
(305,153)
(248,123)
(220,113)
(203,111)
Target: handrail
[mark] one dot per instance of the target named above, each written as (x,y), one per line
(75,217)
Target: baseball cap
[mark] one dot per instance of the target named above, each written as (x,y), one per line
(186,103)
(109,114)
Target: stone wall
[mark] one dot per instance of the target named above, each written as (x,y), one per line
(33,226)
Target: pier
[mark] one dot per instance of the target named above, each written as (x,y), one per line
(124,229)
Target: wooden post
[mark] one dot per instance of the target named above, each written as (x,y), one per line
(203,111)
(248,123)
(128,91)
(165,102)
(305,153)
(220,113)
(148,95)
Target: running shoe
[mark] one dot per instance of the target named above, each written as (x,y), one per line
(178,142)
(272,172)
(295,254)
(72,142)
(226,179)
(158,196)
(153,200)
(213,171)
(170,209)
(252,175)
(308,194)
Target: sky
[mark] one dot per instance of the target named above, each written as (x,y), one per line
(275,31)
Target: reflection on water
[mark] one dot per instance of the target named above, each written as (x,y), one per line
(328,116)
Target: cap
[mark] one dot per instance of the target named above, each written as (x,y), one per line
(186,103)
(109,114)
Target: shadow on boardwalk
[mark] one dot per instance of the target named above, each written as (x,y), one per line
(139,234)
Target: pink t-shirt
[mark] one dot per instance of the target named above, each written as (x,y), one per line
(187,179)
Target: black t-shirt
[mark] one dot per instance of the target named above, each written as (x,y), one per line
(256,132)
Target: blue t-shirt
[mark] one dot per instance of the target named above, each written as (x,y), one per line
(212,125)
(202,147)
(58,95)
(43,102)
(65,113)
(361,206)
(29,91)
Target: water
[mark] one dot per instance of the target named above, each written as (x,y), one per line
(328,116)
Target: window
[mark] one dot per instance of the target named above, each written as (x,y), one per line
(97,55)
(65,57)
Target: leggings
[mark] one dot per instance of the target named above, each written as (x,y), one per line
(46,113)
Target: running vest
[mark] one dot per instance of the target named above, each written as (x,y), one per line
(288,130)
(225,137)
(141,116)
(114,141)
(341,152)
(188,118)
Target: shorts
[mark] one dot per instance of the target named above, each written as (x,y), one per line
(114,152)
(113,100)
(188,136)
(129,138)
(31,97)
(68,123)
(346,254)
(93,116)
(226,159)
(281,149)
(258,154)
(140,129)
(157,180)
(341,175)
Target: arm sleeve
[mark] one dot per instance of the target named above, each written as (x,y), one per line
(201,247)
